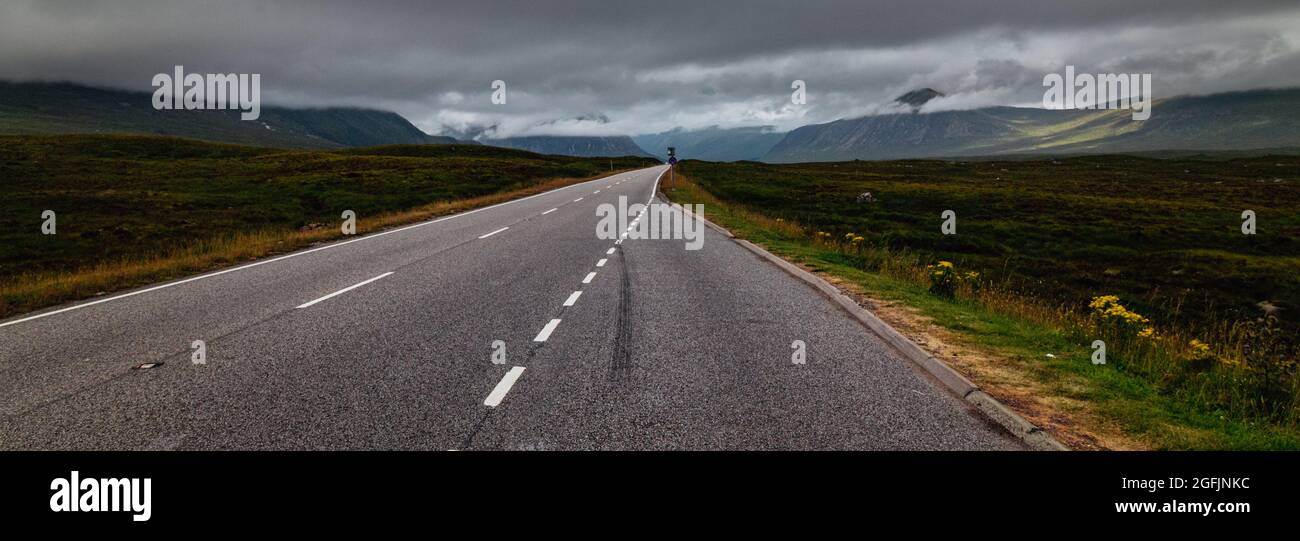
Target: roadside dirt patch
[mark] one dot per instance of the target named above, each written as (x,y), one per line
(1068,420)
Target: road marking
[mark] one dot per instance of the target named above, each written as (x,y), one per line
(573,298)
(292,255)
(595,192)
(342,291)
(499,392)
(578,199)
(609,251)
(654,189)
(547,330)
(494,232)
(587,280)
(548,212)
(601,263)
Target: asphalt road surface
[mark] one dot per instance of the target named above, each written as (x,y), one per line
(386,342)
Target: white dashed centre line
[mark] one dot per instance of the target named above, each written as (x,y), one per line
(342,291)
(281,258)
(499,392)
(547,330)
(494,232)
(573,298)
(601,263)
(596,192)
(587,280)
(609,251)
(548,212)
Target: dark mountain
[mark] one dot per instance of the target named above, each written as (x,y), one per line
(51,108)
(1256,119)
(583,146)
(916,98)
(713,143)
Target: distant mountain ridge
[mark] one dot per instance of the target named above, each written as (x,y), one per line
(1254,119)
(713,144)
(1233,121)
(917,98)
(53,108)
(56,108)
(582,146)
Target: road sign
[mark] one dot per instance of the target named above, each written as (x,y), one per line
(672,162)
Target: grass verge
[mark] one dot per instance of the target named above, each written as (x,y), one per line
(135,210)
(1032,356)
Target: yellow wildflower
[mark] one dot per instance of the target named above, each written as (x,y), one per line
(1199,350)
(1100,303)
(1108,307)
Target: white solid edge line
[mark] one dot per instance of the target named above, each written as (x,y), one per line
(609,251)
(547,330)
(493,233)
(587,280)
(548,212)
(342,291)
(573,298)
(601,263)
(295,254)
(499,392)
(655,189)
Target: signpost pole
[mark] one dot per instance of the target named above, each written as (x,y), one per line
(672,166)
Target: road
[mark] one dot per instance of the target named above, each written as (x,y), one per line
(386,342)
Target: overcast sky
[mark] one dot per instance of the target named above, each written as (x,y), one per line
(630,67)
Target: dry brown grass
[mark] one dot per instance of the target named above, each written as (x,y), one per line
(33,291)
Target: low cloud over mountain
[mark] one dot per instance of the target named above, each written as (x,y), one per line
(652,67)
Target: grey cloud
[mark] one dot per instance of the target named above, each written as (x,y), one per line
(647,66)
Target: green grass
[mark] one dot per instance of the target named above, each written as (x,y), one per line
(1162,234)
(1045,257)
(126,202)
